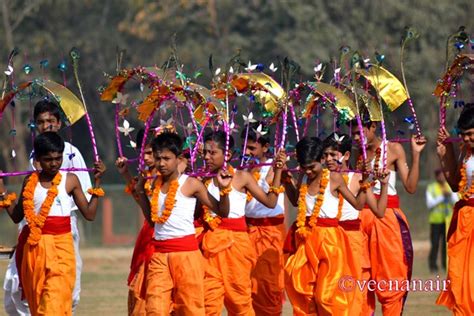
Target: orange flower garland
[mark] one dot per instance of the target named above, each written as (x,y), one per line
(465,191)
(169,201)
(212,221)
(301,217)
(36,221)
(99,192)
(7,202)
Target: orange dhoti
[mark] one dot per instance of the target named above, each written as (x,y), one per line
(459,294)
(48,269)
(266,236)
(356,246)
(229,260)
(174,278)
(136,279)
(320,276)
(391,255)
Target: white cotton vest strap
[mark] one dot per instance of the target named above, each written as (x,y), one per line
(63,202)
(180,222)
(329,208)
(470,171)
(348,211)
(237,200)
(255,209)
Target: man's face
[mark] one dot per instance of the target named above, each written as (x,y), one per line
(312,170)
(255,149)
(148,157)
(51,162)
(213,156)
(47,122)
(166,162)
(468,137)
(369,133)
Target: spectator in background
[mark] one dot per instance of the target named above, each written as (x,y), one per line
(439,200)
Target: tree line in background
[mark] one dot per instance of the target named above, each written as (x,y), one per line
(308,32)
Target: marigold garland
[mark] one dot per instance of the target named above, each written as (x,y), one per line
(7,201)
(301,217)
(277,190)
(465,191)
(36,221)
(169,201)
(212,221)
(96,191)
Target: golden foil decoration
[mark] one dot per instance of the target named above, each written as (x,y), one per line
(342,101)
(270,95)
(371,104)
(69,103)
(389,88)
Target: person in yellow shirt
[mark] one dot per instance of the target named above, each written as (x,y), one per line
(439,200)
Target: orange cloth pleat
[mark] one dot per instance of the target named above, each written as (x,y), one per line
(459,297)
(356,244)
(174,280)
(229,260)
(267,276)
(136,305)
(313,273)
(48,272)
(387,258)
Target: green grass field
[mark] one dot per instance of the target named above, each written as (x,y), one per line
(104,290)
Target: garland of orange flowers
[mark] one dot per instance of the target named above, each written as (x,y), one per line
(341,198)
(213,221)
(169,201)
(301,217)
(130,187)
(465,191)
(256,176)
(96,191)
(7,202)
(36,221)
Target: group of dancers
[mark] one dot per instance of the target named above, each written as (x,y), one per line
(220,240)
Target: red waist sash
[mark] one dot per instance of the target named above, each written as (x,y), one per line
(290,242)
(265,221)
(143,247)
(393,201)
(53,225)
(454,220)
(350,225)
(234,224)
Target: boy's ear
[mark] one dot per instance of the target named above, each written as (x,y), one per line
(230,153)
(347,155)
(266,147)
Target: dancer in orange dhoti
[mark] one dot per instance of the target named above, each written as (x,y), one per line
(173,269)
(136,277)
(336,154)
(45,252)
(390,249)
(314,274)
(266,229)
(229,254)
(460,176)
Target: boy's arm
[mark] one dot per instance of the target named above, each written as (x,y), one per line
(15,210)
(337,180)
(142,198)
(269,199)
(447,159)
(198,189)
(87,208)
(290,188)
(410,176)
